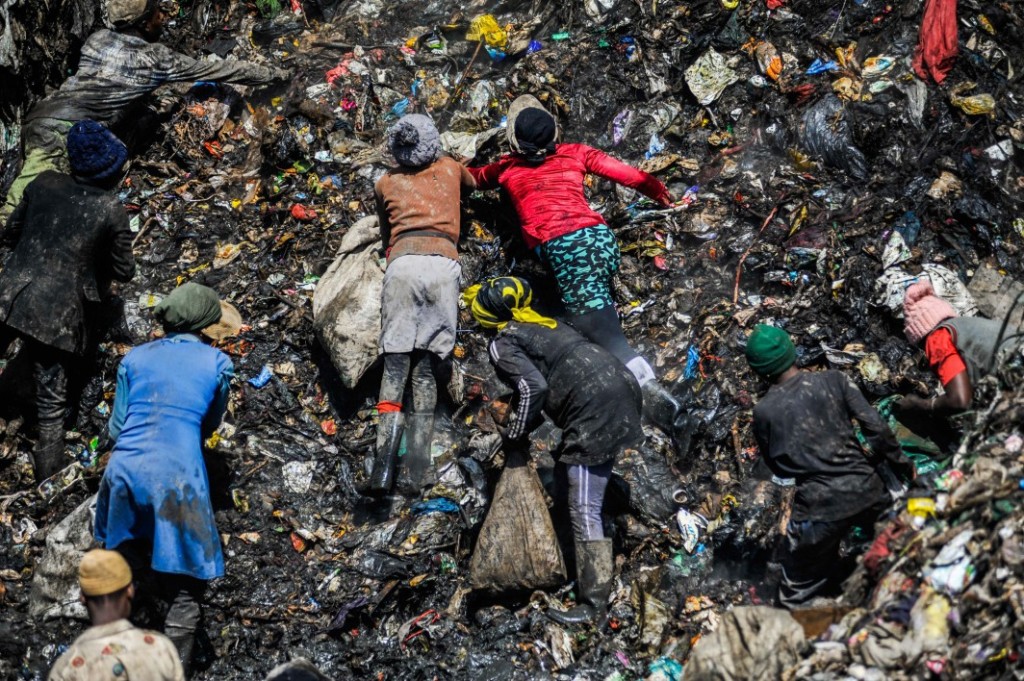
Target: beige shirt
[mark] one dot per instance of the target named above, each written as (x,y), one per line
(119,652)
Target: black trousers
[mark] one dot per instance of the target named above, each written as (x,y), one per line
(181,595)
(50,370)
(811,565)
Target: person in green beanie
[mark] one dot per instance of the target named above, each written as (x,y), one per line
(804,429)
(153,504)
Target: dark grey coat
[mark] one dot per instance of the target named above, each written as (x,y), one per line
(70,240)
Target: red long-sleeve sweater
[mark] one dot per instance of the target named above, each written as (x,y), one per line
(549,196)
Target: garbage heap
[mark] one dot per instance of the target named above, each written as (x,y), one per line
(818,174)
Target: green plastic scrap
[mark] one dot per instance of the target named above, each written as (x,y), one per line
(269,8)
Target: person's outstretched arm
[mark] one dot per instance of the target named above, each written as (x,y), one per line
(600,163)
(486,177)
(174,67)
(516,369)
(219,405)
(876,431)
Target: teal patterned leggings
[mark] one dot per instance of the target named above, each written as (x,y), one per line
(584,263)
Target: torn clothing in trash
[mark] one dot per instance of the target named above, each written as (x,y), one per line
(418,209)
(549,198)
(71,240)
(171,393)
(585,391)
(119,650)
(803,429)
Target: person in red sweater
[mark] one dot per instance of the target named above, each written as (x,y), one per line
(960,350)
(544,180)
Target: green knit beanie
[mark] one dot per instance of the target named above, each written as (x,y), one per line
(770,350)
(190,307)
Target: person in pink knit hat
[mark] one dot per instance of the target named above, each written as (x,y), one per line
(960,350)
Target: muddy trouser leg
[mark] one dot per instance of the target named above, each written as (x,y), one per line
(812,550)
(396,375)
(602,327)
(391,420)
(587,485)
(49,368)
(420,423)
(45,143)
(185,594)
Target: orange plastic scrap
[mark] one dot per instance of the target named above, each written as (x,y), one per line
(769,60)
(214,149)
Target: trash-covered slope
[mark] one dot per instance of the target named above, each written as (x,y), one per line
(819,175)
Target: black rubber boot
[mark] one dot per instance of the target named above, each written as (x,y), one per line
(593,583)
(48,453)
(184,640)
(416,463)
(389,438)
(183,616)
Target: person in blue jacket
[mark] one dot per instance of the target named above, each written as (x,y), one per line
(154,500)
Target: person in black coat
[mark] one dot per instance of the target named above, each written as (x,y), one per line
(70,238)
(589,394)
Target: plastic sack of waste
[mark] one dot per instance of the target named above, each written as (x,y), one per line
(55,583)
(825,133)
(891,287)
(517,548)
(708,77)
(346,303)
(751,642)
(644,479)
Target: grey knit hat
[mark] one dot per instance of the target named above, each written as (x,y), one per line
(414,140)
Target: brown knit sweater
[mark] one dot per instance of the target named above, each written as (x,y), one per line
(411,200)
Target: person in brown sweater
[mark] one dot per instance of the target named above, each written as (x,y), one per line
(418,209)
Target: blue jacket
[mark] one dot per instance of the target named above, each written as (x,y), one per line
(171,394)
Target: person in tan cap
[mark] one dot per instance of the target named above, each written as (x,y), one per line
(112,648)
(154,503)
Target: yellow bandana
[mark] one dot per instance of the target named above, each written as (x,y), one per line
(498,301)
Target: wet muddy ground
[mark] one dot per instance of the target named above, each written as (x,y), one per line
(782,226)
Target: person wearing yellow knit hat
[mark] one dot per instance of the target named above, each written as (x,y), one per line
(113,648)
(585,391)
(804,431)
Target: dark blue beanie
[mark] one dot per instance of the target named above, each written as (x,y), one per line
(94,152)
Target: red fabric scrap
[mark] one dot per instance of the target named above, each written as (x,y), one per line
(300,212)
(775,4)
(936,47)
(337,72)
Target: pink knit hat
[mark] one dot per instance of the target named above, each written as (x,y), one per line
(923,311)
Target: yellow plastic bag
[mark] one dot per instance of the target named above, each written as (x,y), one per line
(486,28)
(973,105)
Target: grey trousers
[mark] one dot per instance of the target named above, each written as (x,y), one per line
(587,485)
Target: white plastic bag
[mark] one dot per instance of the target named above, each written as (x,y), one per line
(346,303)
